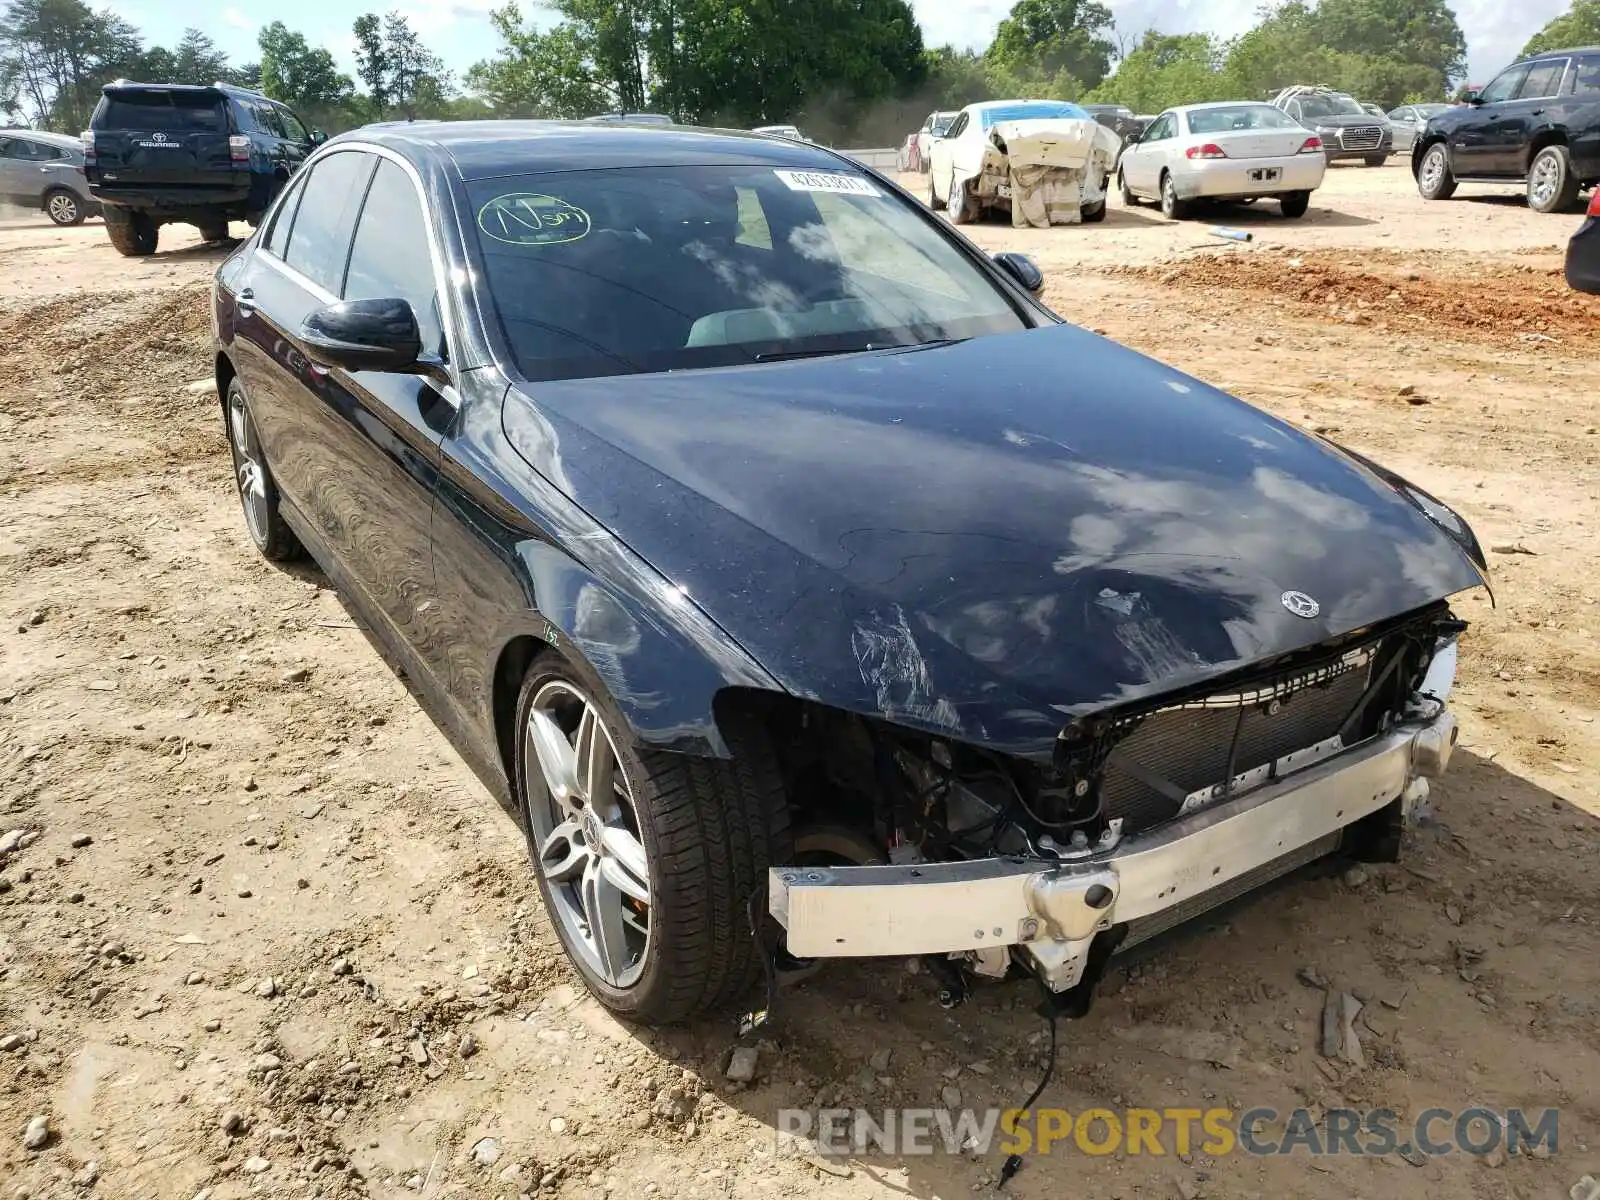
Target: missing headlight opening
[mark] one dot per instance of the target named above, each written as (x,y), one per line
(1142,818)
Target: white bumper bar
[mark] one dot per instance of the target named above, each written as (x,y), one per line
(1055,910)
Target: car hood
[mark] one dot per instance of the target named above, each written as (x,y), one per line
(978,538)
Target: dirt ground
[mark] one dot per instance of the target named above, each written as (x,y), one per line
(268,936)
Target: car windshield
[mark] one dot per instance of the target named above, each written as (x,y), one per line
(1331,106)
(1032,110)
(1239,116)
(152,109)
(639,269)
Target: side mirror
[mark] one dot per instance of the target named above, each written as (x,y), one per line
(364,335)
(1133,137)
(1022,269)
(318,137)
(1474,97)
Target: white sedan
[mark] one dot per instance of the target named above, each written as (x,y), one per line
(1228,151)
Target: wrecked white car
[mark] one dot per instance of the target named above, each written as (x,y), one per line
(1046,161)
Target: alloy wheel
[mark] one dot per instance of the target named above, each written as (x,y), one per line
(249,469)
(1546,179)
(585,834)
(1433,168)
(62,209)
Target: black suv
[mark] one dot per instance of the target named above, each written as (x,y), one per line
(203,155)
(1537,123)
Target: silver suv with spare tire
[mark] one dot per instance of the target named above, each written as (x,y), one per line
(1537,123)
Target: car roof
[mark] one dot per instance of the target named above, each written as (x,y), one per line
(1570,50)
(226,89)
(1220,104)
(487,149)
(44,135)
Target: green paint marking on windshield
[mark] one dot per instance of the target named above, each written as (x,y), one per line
(529,219)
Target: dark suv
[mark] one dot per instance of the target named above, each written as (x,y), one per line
(203,155)
(1537,123)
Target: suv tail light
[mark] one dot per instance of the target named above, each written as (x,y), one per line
(239,148)
(87,137)
(1209,150)
(1313,145)
(1594,203)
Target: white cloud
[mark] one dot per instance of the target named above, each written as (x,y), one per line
(232,16)
(1496,30)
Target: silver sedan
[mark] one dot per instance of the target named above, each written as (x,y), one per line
(1409,120)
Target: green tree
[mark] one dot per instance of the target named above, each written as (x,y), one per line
(197,60)
(304,77)
(1046,38)
(417,79)
(1578,26)
(372,63)
(56,54)
(1418,32)
(537,74)
(1164,70)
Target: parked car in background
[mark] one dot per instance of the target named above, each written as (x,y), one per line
(1046,161)
(200,155)
(934,128)
(1118,118)
(828,577)
(783,131)
(1537,123)
(1248,150)
(44,172)
(1408,122)
(1347,130)
(1583,251)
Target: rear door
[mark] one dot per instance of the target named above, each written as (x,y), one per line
(16,172)
(173,136)
(1475,142)
(1582,117)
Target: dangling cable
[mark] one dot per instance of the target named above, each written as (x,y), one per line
(1047,1008)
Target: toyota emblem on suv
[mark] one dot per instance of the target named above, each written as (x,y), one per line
(1300,604)
(158,137)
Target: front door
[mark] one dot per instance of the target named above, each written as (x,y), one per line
(1475,143)
(1141,165)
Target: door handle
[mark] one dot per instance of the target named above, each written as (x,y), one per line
(245,302)
(1538,112)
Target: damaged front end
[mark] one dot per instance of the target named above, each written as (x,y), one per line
(1145,817)
(1050,171)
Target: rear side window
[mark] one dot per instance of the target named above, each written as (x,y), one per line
(29,150)
(390,259)
(319,243)
(267,120)
(180,112)
(283,220)
(1543,80)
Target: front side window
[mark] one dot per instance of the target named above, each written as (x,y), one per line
(642,269)
(292,128)
(320,239)
(1161,128)
(267,120)
(958,126)
(1505,85)
(389,258)
(1544,79)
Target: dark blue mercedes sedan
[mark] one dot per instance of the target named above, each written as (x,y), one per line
(803,585)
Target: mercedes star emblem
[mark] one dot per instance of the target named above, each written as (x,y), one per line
(1300,604)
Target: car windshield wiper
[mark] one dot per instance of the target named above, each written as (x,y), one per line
(781,355)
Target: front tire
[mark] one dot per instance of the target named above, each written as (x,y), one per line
(1553,186)
(1093,213)
(962,210)
(1376,160)
(1435,180)
(64,208)
(258,494)
(1294,204)
(934,204)
(1129,200)
(214,231)
(650,864)
(133,234)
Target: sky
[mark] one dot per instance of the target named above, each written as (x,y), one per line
(459,30)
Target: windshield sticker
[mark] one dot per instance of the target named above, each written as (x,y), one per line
(529,219)
(823,181)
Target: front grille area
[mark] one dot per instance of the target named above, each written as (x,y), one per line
(1360,137)
(1187,745)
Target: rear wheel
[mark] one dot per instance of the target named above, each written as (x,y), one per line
(1129,200)
(1435,180)
(214,231)
(1552,184)
(651,865)
(64,208)
(258,494)
(132,233)
(1294,204)
(1172,207)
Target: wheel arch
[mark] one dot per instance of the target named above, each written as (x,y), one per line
(1419,151)
(1553,136)
(226,373)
